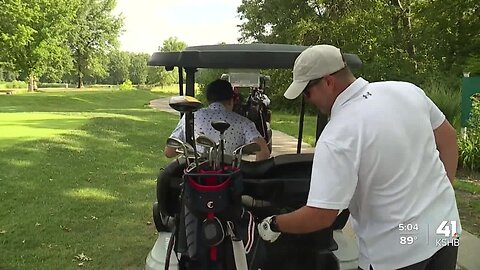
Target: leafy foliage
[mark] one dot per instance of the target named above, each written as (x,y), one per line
(446,95)
(126,85)
(397,40)
(172,44)
(469,145)
(138,68)
(119,63)
(32,39)
(94,34)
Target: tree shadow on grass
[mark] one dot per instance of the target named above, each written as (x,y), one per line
(88,192)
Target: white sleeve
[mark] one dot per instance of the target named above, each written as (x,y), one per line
(179,131)
(436,115)
(334,177)
(250,131)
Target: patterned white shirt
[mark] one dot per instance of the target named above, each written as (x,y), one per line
(240,132)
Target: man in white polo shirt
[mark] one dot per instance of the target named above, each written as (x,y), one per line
(389,155)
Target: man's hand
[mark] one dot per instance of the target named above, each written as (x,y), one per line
(266,232)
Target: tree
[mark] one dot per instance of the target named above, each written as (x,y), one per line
(159,76)
(396,39)
(172,44)
(34,36)
(119,63)
(153,75)
(94,34)
(6,73)
(138,68)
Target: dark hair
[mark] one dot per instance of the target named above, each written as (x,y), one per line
(219,90)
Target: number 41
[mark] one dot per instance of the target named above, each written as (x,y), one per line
(445,229)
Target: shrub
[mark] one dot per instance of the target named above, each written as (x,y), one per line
(469,145)
(126,85)
(54,85)
(16,85)
(446,96)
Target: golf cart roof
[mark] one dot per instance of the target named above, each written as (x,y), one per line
(256,55)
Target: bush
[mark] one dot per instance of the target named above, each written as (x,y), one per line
(55,85)
(446,96)
(126,85)
(469,145)
(14,85)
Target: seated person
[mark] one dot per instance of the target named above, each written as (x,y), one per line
(240,132)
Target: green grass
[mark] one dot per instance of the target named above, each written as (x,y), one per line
(172,89)
(288,123)
(77,176)
(468,200)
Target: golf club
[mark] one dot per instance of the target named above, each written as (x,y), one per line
(187,105)
(246,149)
(209,145)
(176,143)
(190,153)
(221,126)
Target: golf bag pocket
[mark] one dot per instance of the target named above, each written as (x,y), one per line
(213,232)
(214,192)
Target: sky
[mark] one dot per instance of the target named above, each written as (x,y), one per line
(147,23)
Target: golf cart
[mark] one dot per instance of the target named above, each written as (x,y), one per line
(253,105)
(256,189)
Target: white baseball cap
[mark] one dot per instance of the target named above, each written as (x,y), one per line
(314,63)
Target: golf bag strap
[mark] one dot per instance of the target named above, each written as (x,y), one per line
(238,249)
(213,250)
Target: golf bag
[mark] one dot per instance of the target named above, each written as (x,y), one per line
(256,109)
(258,112)
(214,230)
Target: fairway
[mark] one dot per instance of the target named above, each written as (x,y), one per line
(77,178)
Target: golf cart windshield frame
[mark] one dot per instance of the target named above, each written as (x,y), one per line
(238,56)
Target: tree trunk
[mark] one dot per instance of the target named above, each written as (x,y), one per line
(80,82)
(31,83)
(79,70)
(403,35)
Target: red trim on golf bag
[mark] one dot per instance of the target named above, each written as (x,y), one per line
(211,184)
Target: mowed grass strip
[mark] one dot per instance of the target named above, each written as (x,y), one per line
(77,178)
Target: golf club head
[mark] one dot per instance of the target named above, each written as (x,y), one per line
(189,154)
(189,148)
(175,143)
(247,149)
(184,104)
(250,149)
(205,141)
(220,125)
